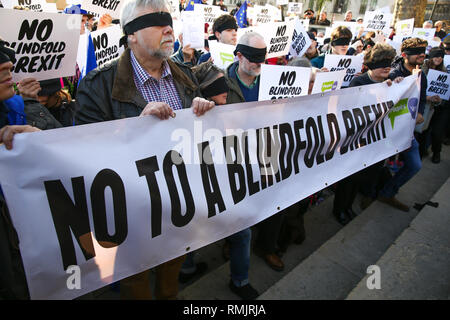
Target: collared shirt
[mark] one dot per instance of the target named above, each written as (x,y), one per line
(151,89)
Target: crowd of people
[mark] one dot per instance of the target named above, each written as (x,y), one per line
(150,79)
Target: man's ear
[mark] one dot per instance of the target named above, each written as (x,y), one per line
(217,35)
(404,55)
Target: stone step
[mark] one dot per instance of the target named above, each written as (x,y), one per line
(417,264)
(334,270)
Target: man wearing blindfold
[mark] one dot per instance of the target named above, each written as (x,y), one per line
(244,74)
(143,81)
(413,56)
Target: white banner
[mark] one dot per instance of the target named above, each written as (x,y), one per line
(300,40)
(438,84)
(375,20)
(111,7)
(106,44)
(221,53)
(404,27)
(46,44)
(282,2)
(328,81)
(210,13)
(114,207)
(279,82)
(352,65)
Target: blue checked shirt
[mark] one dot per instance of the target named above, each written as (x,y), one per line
(153,90)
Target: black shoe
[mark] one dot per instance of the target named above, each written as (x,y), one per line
(246,292)
(200,269)
(436,157)
(342,218)
(351,214)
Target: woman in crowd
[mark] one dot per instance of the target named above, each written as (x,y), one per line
(441,114)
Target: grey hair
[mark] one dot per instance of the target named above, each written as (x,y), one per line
(246,37)
(130,9)
(300,62)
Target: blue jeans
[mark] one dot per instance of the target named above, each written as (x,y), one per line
(412,165)
(240,256)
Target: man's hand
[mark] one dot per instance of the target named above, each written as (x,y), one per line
(159,109)
(7,133)
(435,99)
(398,79)
(200,106)
(419,118)
(29,88)
(188,53)
(388,82)
(324,70)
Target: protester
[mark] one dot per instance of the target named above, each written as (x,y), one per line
(312,51)
(441,115)
(225,31)
(378,59)
(427,24)
(323,21)
(245,75)
(440,29)
(221,5)
(309,14)
(142,82)
(349,16)
(413,56)
(14,116)
(185,54)
(340,40)
(215,87)
(360,20)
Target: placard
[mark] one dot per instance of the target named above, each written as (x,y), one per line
(375,20)
(424,33)
(438,84)
(278,37)
(262,15)
(45,43)
(210,13)
(352,65)
(404,27)
(328,81)
(106,44)
(300,40)
(279,82)
(295,7)
(101,7)
(221,53)
(193,29)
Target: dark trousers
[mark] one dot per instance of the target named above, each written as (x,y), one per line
(268,232)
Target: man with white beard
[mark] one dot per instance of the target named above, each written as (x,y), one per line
(143,81)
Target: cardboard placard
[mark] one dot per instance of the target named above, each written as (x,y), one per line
(375,20)
(221,53)
(404,27)
(279,82)
(300,40)
(328,81)
(352,65)
(106,44)
(46,44)
(438,84)
(210,13)
(111,7)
